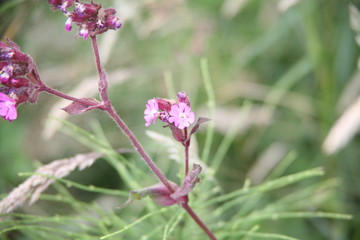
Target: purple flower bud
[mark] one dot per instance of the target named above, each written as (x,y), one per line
(109,11)
(84,32)
(164,104)
(113,22)
(89,9)
(183,97)
(19,82)
(55,4)
(65,4)
(68,24)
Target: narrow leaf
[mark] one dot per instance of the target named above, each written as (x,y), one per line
(189,183)
(77,108)
(200,121)
(159,193)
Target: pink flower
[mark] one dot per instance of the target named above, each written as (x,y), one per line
(7,107)
(181,115)
(6,73)
(84,32)
(151,112)
(68,24)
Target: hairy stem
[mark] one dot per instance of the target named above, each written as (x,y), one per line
(125,129)
(103,90)
(103,83)
(65,96)
(196,218)
(187,144)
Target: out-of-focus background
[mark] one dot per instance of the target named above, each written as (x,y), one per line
(294,61)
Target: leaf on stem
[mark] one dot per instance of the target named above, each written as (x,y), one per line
(200,121)
(189,183)
(79,107)
(159,193)
(177,133)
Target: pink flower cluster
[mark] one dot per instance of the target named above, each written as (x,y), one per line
(91,18)
(18,77)
(176,113)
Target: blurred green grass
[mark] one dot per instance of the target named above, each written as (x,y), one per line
(292,66)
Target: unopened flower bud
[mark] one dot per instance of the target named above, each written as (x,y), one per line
(55,4)
(19,82)
(87,8)
(65,5)
(183,97)
(113,22)
(109,11)
(164,104)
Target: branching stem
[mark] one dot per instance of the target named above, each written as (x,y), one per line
(107,106)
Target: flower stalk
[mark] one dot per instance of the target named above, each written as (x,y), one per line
(103,90)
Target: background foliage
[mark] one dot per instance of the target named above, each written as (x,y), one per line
(273,79)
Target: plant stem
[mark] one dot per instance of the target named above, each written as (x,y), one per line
(103,90)
(103,83)
(65,96)
(125,129)
(196,218)
(187,144)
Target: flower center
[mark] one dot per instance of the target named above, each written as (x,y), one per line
(182,115)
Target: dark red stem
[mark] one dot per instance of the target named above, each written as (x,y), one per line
(65,96)
(198,221)
(187,144)
(103,83)
(112,112)
(103,90)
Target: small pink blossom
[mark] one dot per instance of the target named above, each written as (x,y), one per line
(7,107)
(151,112)
(181,115)
(6,73)
(84,32)
(65,5)
(79,8)
(68,24)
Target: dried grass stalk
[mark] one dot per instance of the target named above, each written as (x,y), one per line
(344,129)
(30,190)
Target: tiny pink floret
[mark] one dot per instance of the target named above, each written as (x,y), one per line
(68,25)
(181,115)
(84,32)
(151,112)
(7,107)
